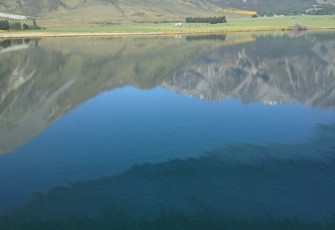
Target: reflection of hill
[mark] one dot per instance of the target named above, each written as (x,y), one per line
(50,77)
(270,70)
(39,84)
(237,187)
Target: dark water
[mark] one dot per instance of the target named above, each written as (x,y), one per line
(209,132)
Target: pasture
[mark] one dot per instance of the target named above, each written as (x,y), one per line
(246,24)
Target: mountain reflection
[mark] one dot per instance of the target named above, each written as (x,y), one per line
(40,83)
(270,70)
(40,80)
(220,190)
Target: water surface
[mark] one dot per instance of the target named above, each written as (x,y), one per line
(195,132)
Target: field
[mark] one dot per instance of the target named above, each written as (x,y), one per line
(278,23)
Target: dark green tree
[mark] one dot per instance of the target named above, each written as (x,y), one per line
(4,25)
(35,26)
(25,26)
(15,26)
(212,20)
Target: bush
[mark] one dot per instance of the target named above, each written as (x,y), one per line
(25,26)
(35,27)
(296,26)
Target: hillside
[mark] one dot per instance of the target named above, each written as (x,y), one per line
(273,6)
(152,10)
(115,10)
(286,7)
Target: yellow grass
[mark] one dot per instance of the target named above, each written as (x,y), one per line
(240,41)
(236,11)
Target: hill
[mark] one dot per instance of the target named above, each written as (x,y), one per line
(153,10)
(115,10)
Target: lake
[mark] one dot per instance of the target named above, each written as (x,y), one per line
(225,131)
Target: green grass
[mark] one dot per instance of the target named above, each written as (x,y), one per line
(233,25)
(243,24)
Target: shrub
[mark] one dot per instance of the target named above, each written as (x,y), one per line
(296,26)
(25,26)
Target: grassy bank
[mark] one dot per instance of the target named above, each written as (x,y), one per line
(279,23)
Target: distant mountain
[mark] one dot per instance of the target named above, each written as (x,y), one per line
(152,10)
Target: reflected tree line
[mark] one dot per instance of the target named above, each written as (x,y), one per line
(13,42)
(207,37)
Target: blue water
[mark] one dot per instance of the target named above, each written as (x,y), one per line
(116,156)
(120,128)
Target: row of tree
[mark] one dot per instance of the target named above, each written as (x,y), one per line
(207,37)
(211,20)
(325,10)
(13,42)
(330,11)
(6,25)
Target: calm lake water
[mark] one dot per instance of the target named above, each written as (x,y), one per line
(228,131)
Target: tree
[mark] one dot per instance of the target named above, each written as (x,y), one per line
(35,26)
(211,20)
(4,25)
(15,26)
(25,26)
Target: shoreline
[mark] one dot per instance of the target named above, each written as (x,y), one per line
(34,34)
(74,34)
